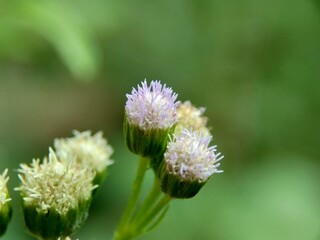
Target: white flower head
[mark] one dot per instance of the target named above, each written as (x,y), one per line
(189,157)
(4,196)
(152,107)
(191,118)
(54,184)
(89,151)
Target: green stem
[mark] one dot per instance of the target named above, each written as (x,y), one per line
(162,203)
(149,201)
(121,231)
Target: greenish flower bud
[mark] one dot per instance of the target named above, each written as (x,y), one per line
(150,117)
(56,196)
(5,203)
(187,165)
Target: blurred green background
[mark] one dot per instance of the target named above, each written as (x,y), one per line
(254,65)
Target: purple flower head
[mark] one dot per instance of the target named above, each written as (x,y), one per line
(189,156)
(152,107)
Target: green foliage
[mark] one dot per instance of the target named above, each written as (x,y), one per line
(253,64)
(60,26)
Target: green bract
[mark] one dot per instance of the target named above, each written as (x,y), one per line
(176,187)
(147,142)
(52,224)
(5,203)
(5,217)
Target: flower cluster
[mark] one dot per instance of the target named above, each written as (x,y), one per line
(171,137)
(186,161)
(57,191)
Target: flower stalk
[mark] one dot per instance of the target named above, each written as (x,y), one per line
(142,223)
(122,232)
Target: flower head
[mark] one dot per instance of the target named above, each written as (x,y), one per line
(190,157)
(56,196)
(188,164)
(150,116)
(54,184)
(91,152)
(191,118)
(152,107)
(5,204)
(4,196)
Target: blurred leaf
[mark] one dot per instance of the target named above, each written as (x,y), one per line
(63,28)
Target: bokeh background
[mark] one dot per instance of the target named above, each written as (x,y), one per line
(254,65)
